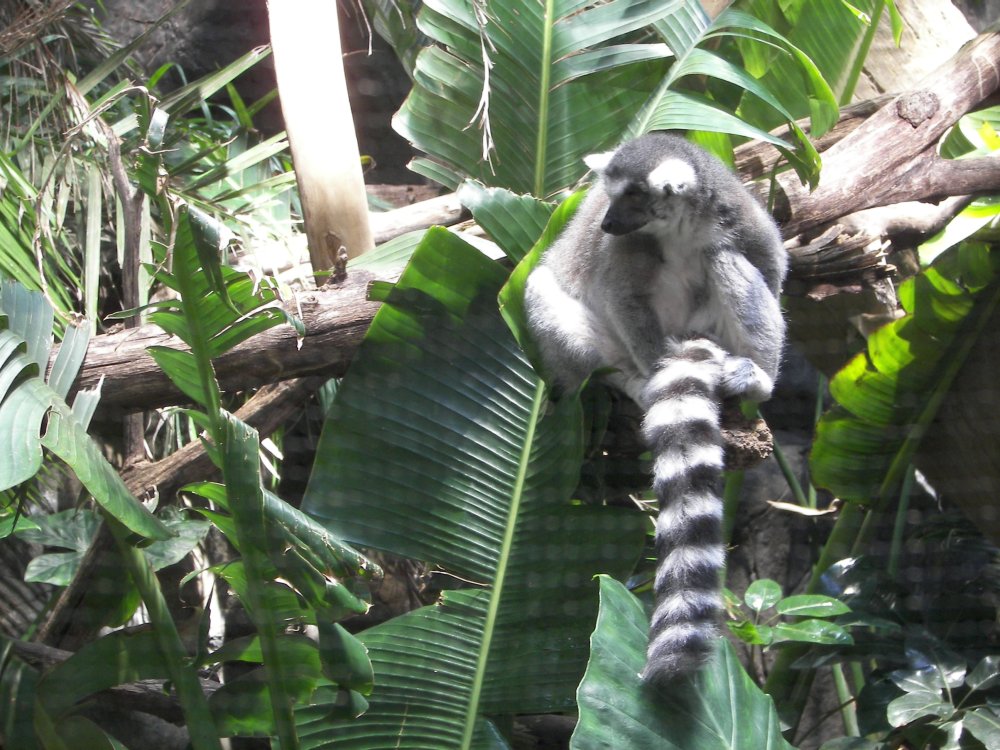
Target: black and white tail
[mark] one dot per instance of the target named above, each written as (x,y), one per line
(682,429)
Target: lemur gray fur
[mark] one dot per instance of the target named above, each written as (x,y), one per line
(668,276)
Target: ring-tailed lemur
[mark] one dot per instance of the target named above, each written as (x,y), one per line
(669,275)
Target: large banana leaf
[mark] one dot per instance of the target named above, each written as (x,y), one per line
(835,36)
(720,708)
(515,94)
(439,446)
(888,395)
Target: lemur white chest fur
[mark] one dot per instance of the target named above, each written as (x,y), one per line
(668,275)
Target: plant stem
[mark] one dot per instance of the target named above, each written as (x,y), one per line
(201,727)
(900,525)
(731,492)
(542,139)
(793,481)
(848,709)
(241,473)
(786,686)
(859,60)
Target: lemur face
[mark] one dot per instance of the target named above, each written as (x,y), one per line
(638,199)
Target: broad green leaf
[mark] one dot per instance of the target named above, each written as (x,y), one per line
(284,677)
(986,673)
(762,594)
(811,605)
(26,400)
(889,394)
(746,631)
(69,358)
(189,533)
(829,35)
(180,366)
(511,297)
(30,318)
(56,568)
(812,631)
(75,530)
(114,659)
(984,725)
(422,662)
(925,679)
(69,529)
(70,732)
(498,101)
(344,659)
(15,522)
(513,221)
(912,706)
(21,412)
(982,212)
(475,476)
(335,557)
(243,705)
(720,708)
(67,439)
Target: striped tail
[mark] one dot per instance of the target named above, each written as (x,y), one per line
(682,429)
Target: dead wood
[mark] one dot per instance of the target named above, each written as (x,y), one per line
(892,158)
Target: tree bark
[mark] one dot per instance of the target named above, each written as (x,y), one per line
(891,157)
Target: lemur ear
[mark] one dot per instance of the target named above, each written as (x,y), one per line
(598,162)
(673,176)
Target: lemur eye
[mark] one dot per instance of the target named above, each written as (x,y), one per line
(634,191)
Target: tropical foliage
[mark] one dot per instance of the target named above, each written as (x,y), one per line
(440,445)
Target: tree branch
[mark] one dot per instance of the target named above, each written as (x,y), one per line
(864,169)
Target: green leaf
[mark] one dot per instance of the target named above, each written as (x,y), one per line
(26,400)
(344,658)
(984,725)
(889,394)
(65,437)
(243,705)
(282,676)
(70,529)
(72,732)
(986,673)
(513,221)
(69,358)
(812,631)
(114,659)
(180,366)
(762,594)
(522,78)
(925,679)
(756,635)
(511,297)
(912,706)
(14,523)
(217,308)
(475,476)
(811,605)
(719,708)
(189,533)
